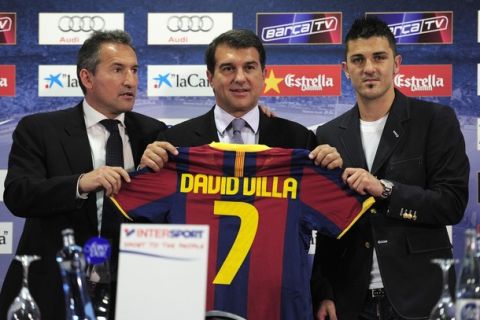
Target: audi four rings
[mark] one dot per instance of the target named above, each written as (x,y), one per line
(81,23)
(190,23)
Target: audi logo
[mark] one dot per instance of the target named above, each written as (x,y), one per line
(190,23)
(81,23)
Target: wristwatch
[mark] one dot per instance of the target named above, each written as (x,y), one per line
(387,188)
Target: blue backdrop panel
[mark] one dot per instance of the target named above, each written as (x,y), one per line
(463,54)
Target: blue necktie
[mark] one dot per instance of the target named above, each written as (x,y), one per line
(114,147)
(237,126)
(114,158)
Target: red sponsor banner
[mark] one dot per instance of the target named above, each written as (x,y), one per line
(428,80)
(8,28)
(7,80)
(303,80)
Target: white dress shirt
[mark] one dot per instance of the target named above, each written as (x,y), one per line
(250,134)
(97,137)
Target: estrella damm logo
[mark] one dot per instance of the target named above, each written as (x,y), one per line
(425,80)
(303,80)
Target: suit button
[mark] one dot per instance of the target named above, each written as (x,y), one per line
(367,244)
(373,211)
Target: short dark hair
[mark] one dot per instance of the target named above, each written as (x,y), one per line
(368,27)
(88,53)
(238,39)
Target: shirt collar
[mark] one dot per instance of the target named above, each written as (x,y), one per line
(223,119)
(93,117)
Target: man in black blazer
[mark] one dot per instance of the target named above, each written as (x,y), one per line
(57,175)
(410,155)
(236,72)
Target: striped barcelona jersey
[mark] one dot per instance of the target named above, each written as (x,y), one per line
(261,204)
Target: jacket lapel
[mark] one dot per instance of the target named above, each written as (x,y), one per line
(393,132)
(77,150)
(75,141)
(206,131)
(351,141)
(135,138)
(266,135)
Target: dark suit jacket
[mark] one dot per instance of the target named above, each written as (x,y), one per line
(422,151)
(274,132)
(49,152)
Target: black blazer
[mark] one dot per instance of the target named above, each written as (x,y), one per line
(274,132)
(422,151)
(49,152)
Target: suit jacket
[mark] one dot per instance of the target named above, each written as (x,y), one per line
(422,151)
(274,132)
(49,152)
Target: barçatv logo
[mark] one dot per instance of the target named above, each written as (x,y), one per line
(5,24)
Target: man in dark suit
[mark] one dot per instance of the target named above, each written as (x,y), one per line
(410,155)
(236,71)
(57,175)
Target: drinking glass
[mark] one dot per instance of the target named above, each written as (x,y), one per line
(98,282)
(445,308)
(24,307)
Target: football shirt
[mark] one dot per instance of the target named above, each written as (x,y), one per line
(261,204)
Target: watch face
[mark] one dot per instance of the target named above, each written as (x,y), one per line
(387,188)
(386,183)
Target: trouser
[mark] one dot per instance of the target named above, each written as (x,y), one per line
(378,307)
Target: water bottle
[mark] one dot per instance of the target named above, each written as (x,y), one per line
(97,252)
(78,305)
(468,285)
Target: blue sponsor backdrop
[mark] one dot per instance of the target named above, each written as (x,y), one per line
(463,54)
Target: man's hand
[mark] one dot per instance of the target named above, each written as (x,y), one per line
(327,309)
(155,155)
(107,178)
(362,181)
(326,156)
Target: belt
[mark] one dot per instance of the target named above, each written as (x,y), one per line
(376,293)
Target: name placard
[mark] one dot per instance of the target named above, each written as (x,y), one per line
(162,272)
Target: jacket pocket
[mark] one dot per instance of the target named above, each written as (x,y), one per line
(429,240)
(409,171)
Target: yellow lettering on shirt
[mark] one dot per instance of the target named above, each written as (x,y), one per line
(267,187)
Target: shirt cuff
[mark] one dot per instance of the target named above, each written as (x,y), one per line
(81,195)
